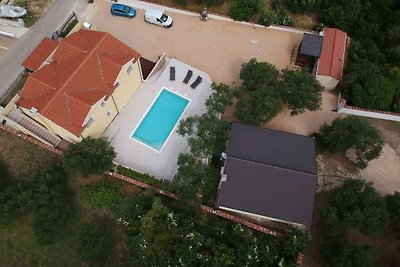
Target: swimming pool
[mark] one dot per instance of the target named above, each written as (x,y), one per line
(160,119)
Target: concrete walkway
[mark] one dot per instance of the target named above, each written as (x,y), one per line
(55,16)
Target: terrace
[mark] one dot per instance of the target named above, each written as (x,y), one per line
(158,160)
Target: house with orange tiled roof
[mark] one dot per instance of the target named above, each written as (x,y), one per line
(79,84)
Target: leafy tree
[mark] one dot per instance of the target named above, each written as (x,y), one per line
(393,204)
(259,98)
(259,106)
(351,132)
(355,205)
(158,233)
(375,92)
(244,9)
(254,74)
(301,91)
(91,156)
(207,134)
(220,99)
(95,243)
(293,243)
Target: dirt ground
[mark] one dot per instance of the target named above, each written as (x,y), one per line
(384,172)
(217,47)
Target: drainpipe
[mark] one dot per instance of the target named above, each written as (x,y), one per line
(115,104)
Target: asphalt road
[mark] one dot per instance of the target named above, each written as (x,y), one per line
(10,62)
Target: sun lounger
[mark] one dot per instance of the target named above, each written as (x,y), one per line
(188,76)
(196,82)
(172,73)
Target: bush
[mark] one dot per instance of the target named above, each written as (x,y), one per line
(355,205)
(91,156)
(244,10)
(95,243)
(163,184)
(269,17)
(106,194)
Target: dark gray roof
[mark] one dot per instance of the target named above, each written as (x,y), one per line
(311,45)
(270,173)
(281,149)
(269,191)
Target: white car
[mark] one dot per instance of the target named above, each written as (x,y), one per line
(9,11)
(158,17)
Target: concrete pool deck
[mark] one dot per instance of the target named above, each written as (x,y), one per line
(132,153)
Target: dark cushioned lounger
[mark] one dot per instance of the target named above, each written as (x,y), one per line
(196,82)
(172,73)
(188,76)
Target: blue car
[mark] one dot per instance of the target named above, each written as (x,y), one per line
(123,10)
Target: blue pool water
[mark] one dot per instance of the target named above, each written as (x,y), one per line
(159,121)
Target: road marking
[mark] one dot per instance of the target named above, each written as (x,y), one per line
(5,48)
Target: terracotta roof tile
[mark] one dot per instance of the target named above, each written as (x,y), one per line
(331,61)
(83,70)
(40,54)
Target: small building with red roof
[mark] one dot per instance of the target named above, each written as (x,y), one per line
(80,84)
(331,61)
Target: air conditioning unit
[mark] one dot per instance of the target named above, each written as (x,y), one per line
(34,110)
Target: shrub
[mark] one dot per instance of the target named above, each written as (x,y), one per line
(269,17)
(91,156)
(105,194)
(163,184)
(244,10)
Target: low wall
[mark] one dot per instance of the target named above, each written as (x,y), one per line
(342,107)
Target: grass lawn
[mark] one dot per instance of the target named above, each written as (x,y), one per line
(35,8)
(18,246)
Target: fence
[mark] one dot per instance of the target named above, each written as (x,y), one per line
(342,107)
(11,88)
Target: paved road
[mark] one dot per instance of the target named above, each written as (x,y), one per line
(10,63)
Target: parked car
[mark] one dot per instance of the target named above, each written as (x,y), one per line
(8,11)
(123,11)
(158,17)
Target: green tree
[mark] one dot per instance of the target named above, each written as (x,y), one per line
(220,99)
(207,134)
(351,132)
(254,74)
(95,243)
(301,91)
(393,204)
(158,234)
(91,156)
(259,98)
(355,205)
(375,92)
(259,106)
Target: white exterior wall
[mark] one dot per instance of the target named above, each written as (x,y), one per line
(327,81)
